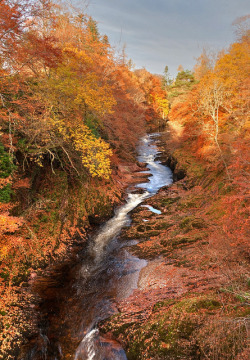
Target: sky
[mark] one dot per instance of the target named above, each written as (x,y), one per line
(157,33)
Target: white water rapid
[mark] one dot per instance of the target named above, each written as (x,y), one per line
(105,241)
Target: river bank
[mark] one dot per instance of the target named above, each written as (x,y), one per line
(78,295)
(59,216)
(191,301)
(169,289)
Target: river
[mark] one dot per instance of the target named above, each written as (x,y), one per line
(105,273)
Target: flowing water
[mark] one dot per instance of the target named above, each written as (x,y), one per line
(106,273)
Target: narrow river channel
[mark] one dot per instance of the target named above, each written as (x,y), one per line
(107,272)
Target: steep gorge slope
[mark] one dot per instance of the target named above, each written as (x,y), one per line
(192,300)
(71,113)
(192,297)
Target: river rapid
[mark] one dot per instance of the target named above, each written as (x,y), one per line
(105,273)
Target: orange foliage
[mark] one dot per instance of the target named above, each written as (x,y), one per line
(65,102)
(215,122)
(154,92)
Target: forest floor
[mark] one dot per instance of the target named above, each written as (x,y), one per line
(191,300)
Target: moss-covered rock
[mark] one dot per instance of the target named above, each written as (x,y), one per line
(190,222)
(180,329)
(167,202)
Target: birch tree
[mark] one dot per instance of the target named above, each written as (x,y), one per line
(212,98)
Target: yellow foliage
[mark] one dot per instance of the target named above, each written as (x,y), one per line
(233,69)
(162,105)
(74,89)
(95,153)
(97,97)
(75,86)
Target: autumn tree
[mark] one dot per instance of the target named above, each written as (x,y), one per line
(242,27)
(152,87)
(212,98)
(180,68)
(204,63)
